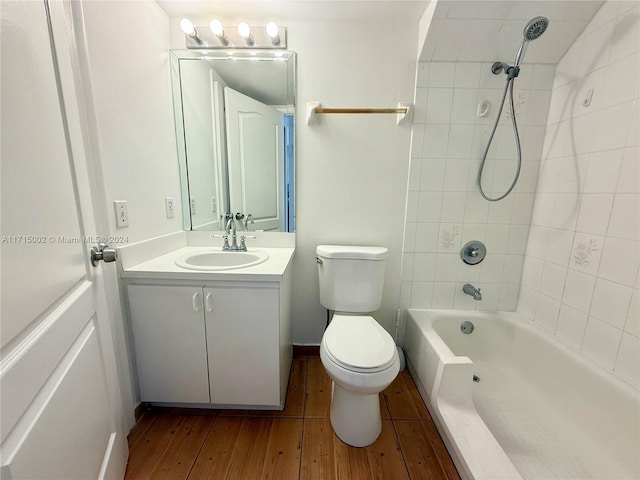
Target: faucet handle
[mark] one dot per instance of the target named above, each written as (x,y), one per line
(243,244)
(225,244)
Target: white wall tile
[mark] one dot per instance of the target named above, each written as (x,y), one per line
(543,77)
(409,240)
(407,266)
(532,273)
(453,204)
(436,139)
(612,127)
(423,74)
(601,342)
(522,208)
(595,210)
(497,238)
(628,361)
(586,252)
(460,141)
(491,268)
(508,300)
(632,323)
(517,242)
(578,290)
(538,241)
(420,106)
(449,238)
(490,297)
(571,326)
(423,267)
(429,206)
(426,237)
(443,294)
(565,211)
(626,36)
(462,301)
(467,75)
(559,246)
(421,294)
(464,106)
(596,49)
(619,261)
(513,265)
(610,302)
(439,105)
(527,301)
(446,267)
(538,107)
(625,217)
(432,174)
(414,174)
(621,81)
(500,212)
(441,74)
(629,179)
(546,315)
(553,280)
(412,206)
(456,175)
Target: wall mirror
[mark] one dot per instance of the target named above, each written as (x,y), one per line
(234,114)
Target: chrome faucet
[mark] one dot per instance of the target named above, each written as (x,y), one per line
(231,230)
(473,291)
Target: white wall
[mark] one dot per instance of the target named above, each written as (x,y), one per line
(128,44)
(445,209)
(580,280)
(351,171)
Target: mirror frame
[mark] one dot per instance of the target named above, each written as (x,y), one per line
(224,55)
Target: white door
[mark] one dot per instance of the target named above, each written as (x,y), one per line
(255,147)
(61,413)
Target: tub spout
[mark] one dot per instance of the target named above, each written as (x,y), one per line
(473,291)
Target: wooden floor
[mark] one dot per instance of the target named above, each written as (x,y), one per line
(297,443)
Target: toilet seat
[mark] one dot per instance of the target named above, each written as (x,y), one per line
(359,343)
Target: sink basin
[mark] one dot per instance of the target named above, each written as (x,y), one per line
(219,260)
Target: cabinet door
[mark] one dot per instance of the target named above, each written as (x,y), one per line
(170,343)
(243,340)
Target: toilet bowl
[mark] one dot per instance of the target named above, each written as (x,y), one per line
(357,353)
(362,360)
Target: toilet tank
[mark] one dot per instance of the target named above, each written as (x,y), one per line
(351,278)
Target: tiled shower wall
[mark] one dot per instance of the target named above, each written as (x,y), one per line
(580,281)
(444,208)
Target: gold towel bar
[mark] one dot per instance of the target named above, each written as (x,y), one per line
(404,112)
(320,110)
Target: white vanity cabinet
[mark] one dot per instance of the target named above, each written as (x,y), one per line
(170,343)
(227,344)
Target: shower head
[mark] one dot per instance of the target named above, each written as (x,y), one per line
(535,28)
(532,30)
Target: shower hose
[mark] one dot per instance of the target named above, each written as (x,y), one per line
(508,87)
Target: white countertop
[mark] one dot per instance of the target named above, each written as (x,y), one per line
(164,267)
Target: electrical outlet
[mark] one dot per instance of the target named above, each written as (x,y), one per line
(169,204)
(192,202)
(214,204)
(122,213)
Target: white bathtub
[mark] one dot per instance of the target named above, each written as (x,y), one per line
(539,411)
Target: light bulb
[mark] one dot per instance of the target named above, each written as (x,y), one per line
(272,29)
(244,30)
(216,27)
(187,27)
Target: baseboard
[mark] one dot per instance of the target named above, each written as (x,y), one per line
(140,410)
(306,349)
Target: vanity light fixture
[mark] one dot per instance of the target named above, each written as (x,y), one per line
(240,37)
(190,31)
(245,32)
(218,30)
(272,31)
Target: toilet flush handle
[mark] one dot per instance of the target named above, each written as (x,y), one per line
(318,260)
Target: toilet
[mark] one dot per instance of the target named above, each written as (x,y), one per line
(357,353)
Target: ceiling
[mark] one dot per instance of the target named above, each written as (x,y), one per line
(479,30)
(320,10)
(461,30)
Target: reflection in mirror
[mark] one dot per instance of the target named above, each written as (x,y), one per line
(234,114)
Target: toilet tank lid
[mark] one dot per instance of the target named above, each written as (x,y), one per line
(350,251)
